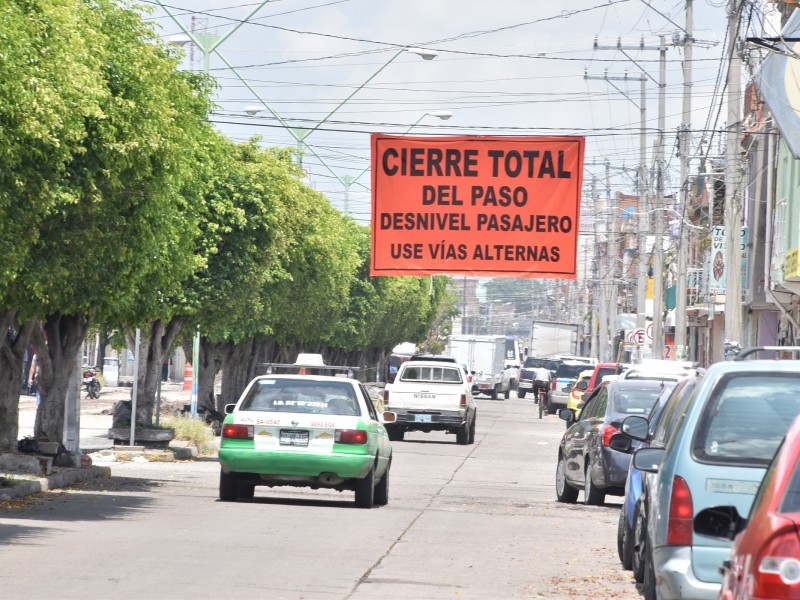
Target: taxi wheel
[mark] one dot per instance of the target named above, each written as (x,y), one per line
(246,491)
(365,490)
(228,487)
(382,489)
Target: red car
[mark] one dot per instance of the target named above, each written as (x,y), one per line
(765,557)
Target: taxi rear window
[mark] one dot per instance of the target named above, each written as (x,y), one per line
(432,374)
(746,418)
(313,397)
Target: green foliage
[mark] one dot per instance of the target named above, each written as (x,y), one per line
(50,59)
(126,234)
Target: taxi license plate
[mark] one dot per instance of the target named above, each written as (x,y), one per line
(293,437)
(422,418)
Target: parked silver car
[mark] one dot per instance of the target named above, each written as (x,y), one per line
(726,432)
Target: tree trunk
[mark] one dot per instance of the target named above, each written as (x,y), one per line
(102,342)
(154,343)
(57,344)
(13,344)
(208,367)
(239,362)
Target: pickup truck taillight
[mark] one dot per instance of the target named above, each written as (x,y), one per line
(463,400)
(386,399)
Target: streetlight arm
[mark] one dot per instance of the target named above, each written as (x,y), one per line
(358,89)
(263,102)
(233,29)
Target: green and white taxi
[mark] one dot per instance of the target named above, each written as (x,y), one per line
(305,431)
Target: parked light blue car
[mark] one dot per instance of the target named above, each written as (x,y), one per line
(724,439)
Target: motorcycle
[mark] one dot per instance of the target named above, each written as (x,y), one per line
(91,383)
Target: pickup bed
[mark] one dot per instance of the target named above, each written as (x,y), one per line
(431,396)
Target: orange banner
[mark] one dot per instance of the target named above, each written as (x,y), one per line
(497,206)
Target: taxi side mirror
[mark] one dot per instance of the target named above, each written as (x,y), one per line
(229,409)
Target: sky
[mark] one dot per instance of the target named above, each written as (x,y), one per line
(505,67)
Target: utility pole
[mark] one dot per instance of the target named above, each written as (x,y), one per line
(642,187)
(683,241)
(613,258)
(658,267)
(733,172)
(641,184)
(600,332)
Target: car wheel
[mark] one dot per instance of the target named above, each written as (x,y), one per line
(564,493)
(472,431)
(493,393)
(638,545)
(521,393)
(551,410)
(381,497)
(365,490)
(626,542)
(395,433)
(649,579)
(246,491)
(592,496)
(507,393)
(462,434)
(228,487)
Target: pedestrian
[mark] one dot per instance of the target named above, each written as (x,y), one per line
(33,379)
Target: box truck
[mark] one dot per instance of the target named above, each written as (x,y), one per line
(494,373)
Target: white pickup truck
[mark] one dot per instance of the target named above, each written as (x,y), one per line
(431,395)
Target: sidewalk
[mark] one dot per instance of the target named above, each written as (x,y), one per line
(95,421)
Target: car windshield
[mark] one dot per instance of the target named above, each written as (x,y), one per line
(302,396)
(746,418)
(432,374)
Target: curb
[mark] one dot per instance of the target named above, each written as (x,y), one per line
(50,482)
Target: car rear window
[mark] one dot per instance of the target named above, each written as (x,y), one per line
(292,395)
(746,418)
(432,374)
(603,371)
(635,401)
(569,371)
(534,363)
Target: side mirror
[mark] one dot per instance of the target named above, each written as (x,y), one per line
(389,416)
(720,522)
(229,409)
(648,459)
(566,414)
(636,428)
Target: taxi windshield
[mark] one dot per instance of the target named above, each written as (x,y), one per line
(302,396)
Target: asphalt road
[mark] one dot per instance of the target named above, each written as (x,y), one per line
(462,522)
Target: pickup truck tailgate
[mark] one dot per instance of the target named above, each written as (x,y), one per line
(426,398)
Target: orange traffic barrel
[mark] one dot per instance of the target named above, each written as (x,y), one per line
(187,376)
